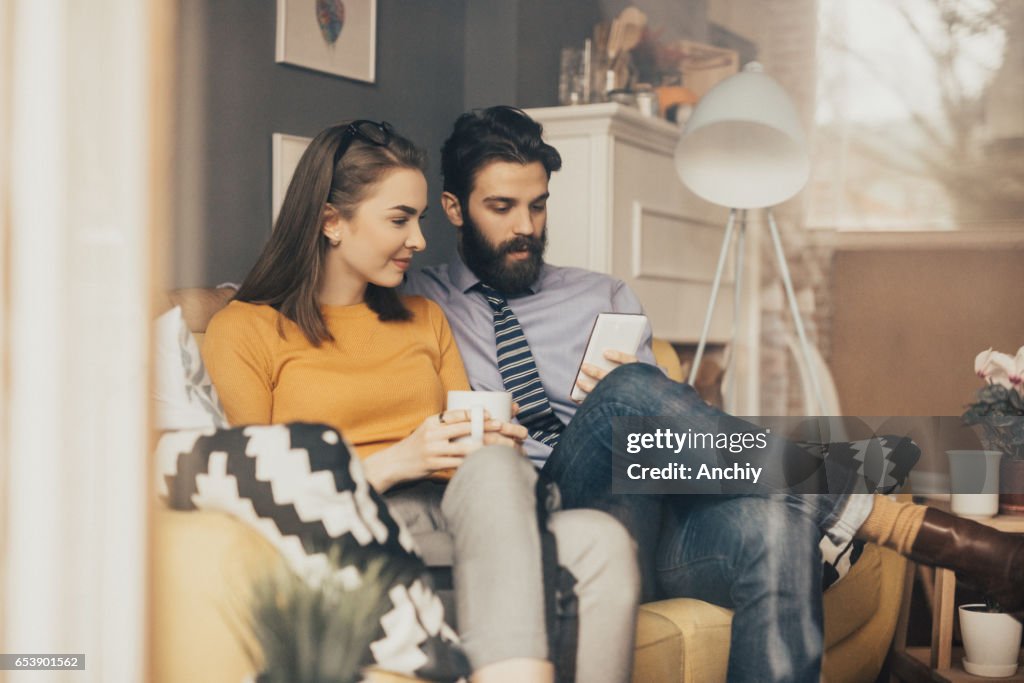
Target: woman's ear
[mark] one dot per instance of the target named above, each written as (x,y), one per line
(330,224)
(452,208)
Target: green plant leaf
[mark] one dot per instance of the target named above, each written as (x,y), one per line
(317,629)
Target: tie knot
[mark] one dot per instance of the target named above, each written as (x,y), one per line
(495,298)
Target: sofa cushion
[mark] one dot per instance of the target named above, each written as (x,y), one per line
(685,640)
(183,394)
(658,654)
(682,640)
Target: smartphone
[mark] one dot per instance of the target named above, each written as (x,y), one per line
(612,331)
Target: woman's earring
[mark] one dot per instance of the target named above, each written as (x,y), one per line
(334,239)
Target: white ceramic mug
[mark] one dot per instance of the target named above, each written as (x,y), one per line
(497,403)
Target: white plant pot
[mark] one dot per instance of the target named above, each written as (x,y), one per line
(991,641)
(974,483)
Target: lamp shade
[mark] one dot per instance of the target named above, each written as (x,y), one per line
(743,146)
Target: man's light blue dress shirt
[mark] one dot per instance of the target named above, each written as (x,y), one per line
(557,316)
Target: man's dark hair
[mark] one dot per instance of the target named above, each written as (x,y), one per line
(494,134)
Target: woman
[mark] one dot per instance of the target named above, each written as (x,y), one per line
(318,333)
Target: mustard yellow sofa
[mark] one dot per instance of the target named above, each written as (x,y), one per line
(204,560)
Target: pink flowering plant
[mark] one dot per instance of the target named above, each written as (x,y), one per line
(999,408)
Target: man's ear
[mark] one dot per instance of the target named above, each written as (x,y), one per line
(452,208)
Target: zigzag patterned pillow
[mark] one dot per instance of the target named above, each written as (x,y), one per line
(298,486)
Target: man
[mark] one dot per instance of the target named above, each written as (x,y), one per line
(522,326)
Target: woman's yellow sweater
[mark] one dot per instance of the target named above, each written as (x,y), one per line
(375,382)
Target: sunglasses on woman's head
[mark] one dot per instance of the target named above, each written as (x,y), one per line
(368,131)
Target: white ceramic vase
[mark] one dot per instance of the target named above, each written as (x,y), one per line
(991,641)
(974,483)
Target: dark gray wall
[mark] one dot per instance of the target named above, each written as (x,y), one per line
(233,96)
(491,47)
(435,59)
(513,48)
(546,27)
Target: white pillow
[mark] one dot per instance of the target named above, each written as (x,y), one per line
(183,393)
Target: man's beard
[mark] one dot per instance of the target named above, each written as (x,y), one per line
(490,263)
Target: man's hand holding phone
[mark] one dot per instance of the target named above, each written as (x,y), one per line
(614,341)
(591,374)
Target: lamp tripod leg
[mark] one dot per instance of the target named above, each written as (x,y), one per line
(737,296)
(787,282)
(714,296)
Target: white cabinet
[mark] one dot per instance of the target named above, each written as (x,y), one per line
(617,206)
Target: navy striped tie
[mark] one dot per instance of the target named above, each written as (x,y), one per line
(519,372)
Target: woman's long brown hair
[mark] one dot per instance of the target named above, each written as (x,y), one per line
(289,272)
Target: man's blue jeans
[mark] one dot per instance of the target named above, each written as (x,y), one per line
(757,554)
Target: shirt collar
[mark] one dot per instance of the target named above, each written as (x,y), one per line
(465,279)
(461,276)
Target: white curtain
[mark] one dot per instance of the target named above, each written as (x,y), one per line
(76,225)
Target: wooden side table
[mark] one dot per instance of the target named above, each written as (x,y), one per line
(937,662)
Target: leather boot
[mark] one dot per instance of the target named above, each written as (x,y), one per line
(988,560)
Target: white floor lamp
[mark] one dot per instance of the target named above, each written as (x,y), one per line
(743,148)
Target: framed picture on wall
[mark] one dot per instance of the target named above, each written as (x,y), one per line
(334,36)
(286,150)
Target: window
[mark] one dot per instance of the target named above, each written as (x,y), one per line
(919,117)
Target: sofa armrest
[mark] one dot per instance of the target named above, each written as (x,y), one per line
(204,564)
(199,304)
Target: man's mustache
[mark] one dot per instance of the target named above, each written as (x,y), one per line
(534,245)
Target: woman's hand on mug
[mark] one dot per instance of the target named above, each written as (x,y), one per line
(496,432)
(432,448)
(510,430)
(427,450)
